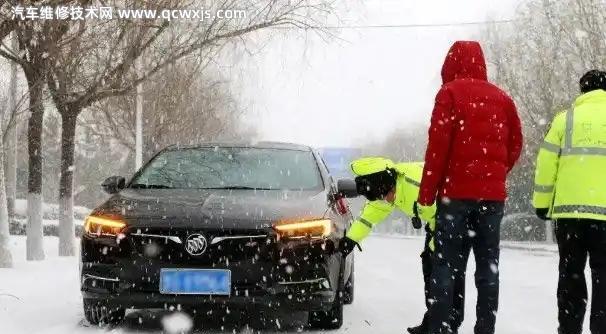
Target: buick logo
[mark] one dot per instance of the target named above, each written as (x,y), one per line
(196,244)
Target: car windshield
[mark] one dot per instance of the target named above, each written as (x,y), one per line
(231,168)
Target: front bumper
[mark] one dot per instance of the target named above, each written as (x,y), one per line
(291,300)
(297,275)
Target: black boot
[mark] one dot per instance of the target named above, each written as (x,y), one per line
(421,329)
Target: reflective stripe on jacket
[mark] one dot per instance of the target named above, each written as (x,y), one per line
(571,164)
(375,212)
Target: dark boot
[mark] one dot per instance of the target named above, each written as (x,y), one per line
(424,329)
(421,329)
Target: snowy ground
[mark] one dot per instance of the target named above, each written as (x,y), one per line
(43,297)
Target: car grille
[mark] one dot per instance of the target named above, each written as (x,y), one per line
(255,262)
(223,247)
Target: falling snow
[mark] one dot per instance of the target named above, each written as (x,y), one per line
(177,323)
(396,291)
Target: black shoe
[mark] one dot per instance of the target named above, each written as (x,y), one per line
(421,329)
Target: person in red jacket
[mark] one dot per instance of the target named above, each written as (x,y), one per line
(475,138)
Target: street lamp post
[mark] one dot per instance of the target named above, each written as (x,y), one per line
(139,120)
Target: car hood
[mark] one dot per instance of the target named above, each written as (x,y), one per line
(226,208)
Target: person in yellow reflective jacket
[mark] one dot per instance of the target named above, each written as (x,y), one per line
(570,188)
(389,186)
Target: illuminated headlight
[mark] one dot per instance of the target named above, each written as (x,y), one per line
(319,228)
(109,226)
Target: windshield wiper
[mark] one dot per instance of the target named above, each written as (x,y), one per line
(238,188)
(149,186)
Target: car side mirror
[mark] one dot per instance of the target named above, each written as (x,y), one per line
(113,184)
(347,188)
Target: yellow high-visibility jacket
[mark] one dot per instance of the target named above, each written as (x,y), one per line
(407,191)
(571,165)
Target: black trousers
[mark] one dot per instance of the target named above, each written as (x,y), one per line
(458,305)
(463,225)
(579,239)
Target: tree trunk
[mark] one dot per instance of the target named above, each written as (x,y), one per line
(34,244)
(66,184)
(11,171)
(6,259)
(6,204)
(11,156)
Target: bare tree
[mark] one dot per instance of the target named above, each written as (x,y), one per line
(10,136)
(539,60)
(10,105)
(186,103)
(406,144)
(35,41)
(96,60)
(7,25)
(6,259)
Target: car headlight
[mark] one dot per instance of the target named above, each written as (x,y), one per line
(298,229)
(110,226)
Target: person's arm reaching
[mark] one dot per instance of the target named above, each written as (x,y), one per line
(372,214)
(515,136)
(438,147)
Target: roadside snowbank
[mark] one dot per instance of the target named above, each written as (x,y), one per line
(50,211)
(50,222)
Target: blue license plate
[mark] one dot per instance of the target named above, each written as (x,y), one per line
(195,281)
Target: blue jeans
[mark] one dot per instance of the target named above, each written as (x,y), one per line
(462,226)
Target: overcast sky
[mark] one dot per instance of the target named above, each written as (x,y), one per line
(364,84)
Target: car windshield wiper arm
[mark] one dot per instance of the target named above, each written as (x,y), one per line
(149,186)
(239,188)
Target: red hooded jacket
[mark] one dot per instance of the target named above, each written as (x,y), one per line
(475,137)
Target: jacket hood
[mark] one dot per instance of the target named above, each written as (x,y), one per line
(465,59)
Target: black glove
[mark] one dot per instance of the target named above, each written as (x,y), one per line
(542,213)
(347,246)
(416,220)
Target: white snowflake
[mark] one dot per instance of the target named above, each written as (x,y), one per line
(177,322)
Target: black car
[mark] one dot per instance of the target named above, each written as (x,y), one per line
(217,225)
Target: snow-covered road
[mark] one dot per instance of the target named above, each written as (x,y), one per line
(43,297)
